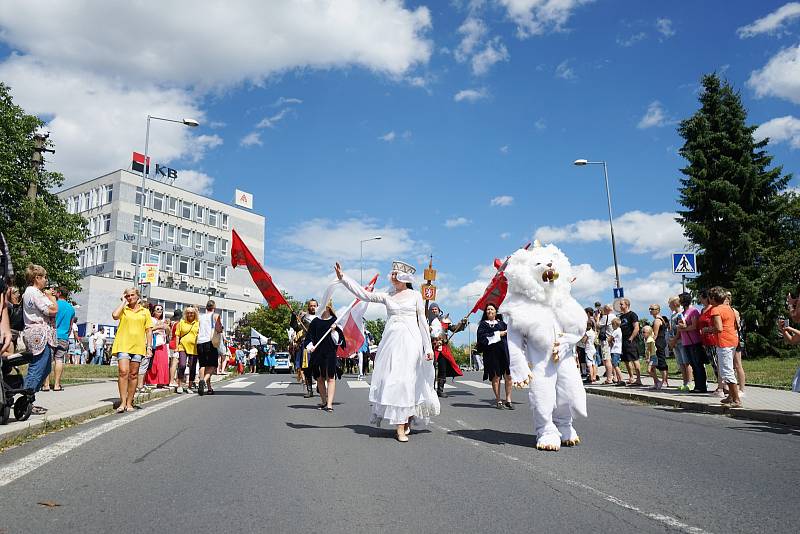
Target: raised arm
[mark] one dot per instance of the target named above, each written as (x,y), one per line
(359,292)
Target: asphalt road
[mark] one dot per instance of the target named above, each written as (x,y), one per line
(254,458)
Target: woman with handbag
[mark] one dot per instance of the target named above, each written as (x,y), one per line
(158,373)
(402,391)
(39,308)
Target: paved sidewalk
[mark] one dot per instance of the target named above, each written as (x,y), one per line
(759,403)
(77,402)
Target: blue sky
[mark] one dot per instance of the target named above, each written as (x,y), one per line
(447,127)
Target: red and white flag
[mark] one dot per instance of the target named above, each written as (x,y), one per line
(350,319)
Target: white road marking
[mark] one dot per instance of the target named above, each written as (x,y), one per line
(239,385)
(473,383)
(449,386)
(37,459)
(278,385)
(666,520)
(356,384)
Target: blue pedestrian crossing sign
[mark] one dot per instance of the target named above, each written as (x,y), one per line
(684,263)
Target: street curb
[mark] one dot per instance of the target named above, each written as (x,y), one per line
(38,428)
(766,416)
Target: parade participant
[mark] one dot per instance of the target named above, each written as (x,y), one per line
(446,365)
(207,354)
(306,318)
(131,344)
(322,341)
(158,373)
(492,332)
(401,391)
(544,324)
(186,341)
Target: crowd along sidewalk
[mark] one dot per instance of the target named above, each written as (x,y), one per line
(78,402)
(759,403)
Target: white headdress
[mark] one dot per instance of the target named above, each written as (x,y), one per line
(404,271)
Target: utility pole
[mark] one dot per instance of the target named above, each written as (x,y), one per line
(37,162)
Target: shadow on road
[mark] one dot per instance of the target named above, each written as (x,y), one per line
(364,430)
(240,393)
(467,405)
(288,394)
(497,437)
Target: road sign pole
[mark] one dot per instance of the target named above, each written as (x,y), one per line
(683,283)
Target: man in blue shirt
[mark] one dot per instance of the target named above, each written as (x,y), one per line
(65,317)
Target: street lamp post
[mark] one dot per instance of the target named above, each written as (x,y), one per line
(188,122)
(469,334)
(582,162)
(376,238)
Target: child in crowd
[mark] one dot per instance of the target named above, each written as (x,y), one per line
(241,361)
(615,340)
(590,351)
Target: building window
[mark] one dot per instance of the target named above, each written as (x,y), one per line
(211,244)
(224,221)
(109,193)
(198,268)
(94,199)
(183,265)
(186,237)
(102,254)
(172,234)
(169,262)
(199,214)
(139,197)
(90,257)
(223,273)
(70,205)
(223,248)
(213,218)
(155,230)
(81,258)
(81,203)
(172,205)
(211,271)
(186,210)
(137,227)
(230,315)
(154,257)
(105,226)
(198,241)
(158,201)
(134,255)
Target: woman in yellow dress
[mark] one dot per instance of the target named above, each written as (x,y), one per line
(186,334)
(132,342)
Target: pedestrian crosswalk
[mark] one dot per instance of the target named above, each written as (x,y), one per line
(238,384)
(279,385)
(475,384)
(357,384)
(363,384)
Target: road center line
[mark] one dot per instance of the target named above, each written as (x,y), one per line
(35,460)
(665,520)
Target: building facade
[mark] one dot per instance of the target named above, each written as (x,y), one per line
(187,235)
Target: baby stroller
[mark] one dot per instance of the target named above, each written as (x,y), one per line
(11,386)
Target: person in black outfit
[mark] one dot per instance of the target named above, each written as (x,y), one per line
(493,343)
(324,364)
(629,323)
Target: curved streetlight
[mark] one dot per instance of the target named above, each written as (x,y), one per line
(582,163)
(376,238)
(191,123)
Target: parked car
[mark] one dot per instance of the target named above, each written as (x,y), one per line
(283,362)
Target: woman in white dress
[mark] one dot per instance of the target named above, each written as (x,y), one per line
(402,380)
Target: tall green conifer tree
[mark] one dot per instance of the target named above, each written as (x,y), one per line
(738,213)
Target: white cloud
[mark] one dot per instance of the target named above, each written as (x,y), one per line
(286,101)
(473,30)
(631,40)
(503,200)
(112,82)
(504,149)
(653,117)
(196,181)
(658,234)
(772,23)
(388,136)
(535,17)
(540,124)
(779,77)
(664,27)
(323,241)
(471,95)
(456,222)
(406,134)
(251,139)
(652,288)
(494,52)
(779,130)
(505,235)
(271,122)
(564,71)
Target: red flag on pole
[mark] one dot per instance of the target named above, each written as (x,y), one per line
(241,255)
(496,291)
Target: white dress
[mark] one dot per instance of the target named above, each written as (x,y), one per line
(402,380)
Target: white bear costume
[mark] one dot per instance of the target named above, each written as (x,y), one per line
(544,323)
